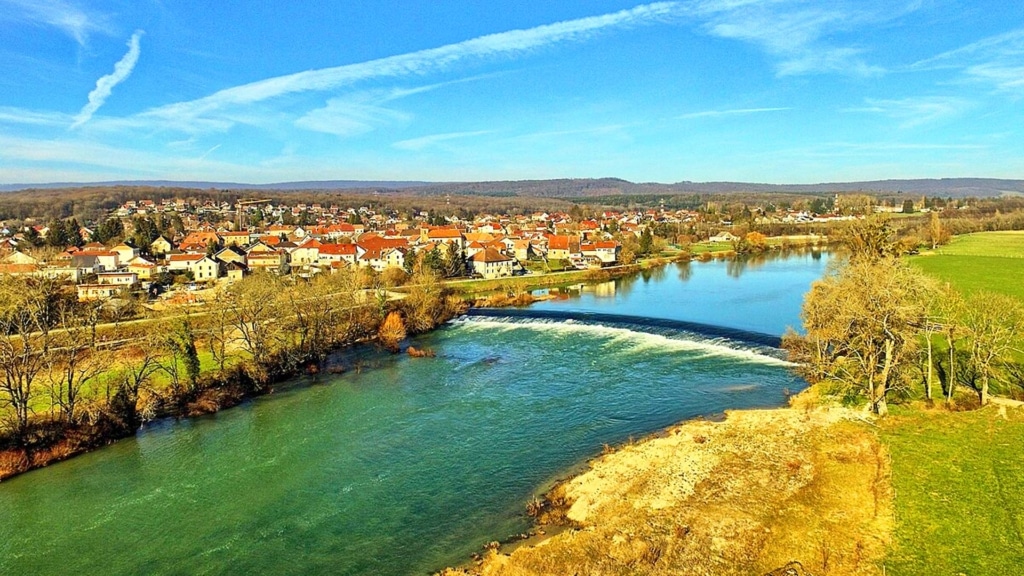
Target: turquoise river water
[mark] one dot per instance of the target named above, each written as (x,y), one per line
(402,465)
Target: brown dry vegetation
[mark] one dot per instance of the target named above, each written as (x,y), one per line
(745,496)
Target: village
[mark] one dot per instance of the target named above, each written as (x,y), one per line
(176,245)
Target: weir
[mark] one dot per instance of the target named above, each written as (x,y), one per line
(629,321)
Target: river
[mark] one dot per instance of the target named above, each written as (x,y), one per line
(404,465)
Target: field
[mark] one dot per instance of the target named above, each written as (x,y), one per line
(991,261)
(958,478)
(959,484)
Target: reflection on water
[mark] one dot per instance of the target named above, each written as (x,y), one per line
(601,289)
(760,292)
(684,270)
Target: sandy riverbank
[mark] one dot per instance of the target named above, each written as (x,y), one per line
(744,496)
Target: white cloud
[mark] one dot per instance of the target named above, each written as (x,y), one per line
(343,117)
(11,115)
(417,144)
(913,112)
(996,60)
(735,112)
(105,85)
(64,16)
(801,35)
(417,63)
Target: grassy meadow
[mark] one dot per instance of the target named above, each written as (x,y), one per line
(959,485)
(992,261)
(957,476)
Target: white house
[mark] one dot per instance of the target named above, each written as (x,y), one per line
(201,266)
(491,264)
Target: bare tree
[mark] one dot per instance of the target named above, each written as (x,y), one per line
(221,333)
(951,308)
(135,367)
(75,361)
(253,311)
(991,324)
(862,322)
(27,310)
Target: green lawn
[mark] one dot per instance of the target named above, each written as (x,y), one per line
(959,485)
(1009,244)
(973,273)
(991,261)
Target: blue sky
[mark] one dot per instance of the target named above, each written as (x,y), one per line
(781,91)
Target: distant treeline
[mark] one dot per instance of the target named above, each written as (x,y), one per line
(92,204)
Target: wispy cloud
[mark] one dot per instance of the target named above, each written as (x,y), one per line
(344,117)
(70,19)
(881,147)
(105,85)
(593,130)
(801,35)
(911,112)
(421,62)
(996,60)
(416,144)
(210,151)
(735,112)
(11,115)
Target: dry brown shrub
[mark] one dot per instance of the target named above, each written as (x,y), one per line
(393,276)
(12,462)
(392,331)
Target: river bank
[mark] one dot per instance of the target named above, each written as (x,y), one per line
(747,495)
(52,441)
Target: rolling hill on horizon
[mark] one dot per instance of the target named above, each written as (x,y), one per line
(583,187)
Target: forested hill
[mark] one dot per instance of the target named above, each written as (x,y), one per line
(203,185)
(572,188)
(591,187)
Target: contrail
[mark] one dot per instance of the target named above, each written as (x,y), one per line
(105,85)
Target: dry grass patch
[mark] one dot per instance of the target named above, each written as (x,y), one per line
(745,496)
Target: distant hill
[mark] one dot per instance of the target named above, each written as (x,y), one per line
(311,185)
(591,187)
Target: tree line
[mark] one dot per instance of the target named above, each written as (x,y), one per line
(878,328)
(68,380)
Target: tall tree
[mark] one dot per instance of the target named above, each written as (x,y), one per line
(76,360)
(181,364)
(936,234)
(646,241)
(870,238)
(253,309)
(862,321)
(110,229)
(27,315)
(991,323)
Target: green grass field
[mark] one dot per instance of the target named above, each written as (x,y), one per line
(991,261)
(958,476)
(1009,244)
(959,484)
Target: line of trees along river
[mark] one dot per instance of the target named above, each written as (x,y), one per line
(69,382)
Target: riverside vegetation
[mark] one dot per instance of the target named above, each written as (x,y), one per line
(69,383)
(826,487)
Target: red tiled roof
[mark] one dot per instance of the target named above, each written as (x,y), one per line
(490,255)
(444,233)
(338,249)
(185,257)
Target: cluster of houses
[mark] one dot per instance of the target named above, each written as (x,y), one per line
(209,253)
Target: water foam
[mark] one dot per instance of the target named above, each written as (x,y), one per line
(629,339)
